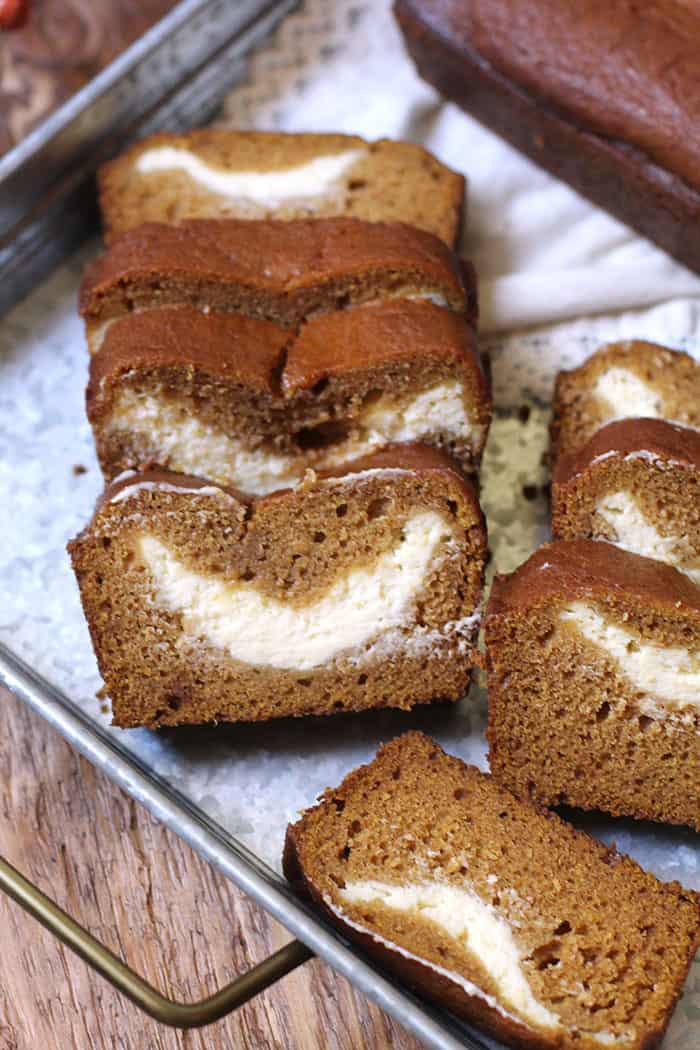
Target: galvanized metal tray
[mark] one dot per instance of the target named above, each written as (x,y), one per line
(230,792)
(175,76)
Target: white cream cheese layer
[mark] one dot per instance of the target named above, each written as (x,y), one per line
(626,395)
(266,632)
(192,446)
(668,676)
(315,178)
(635,533)
(604,1038)
(470,921)
(439,409)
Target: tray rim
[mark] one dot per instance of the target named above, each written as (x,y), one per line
(252,875)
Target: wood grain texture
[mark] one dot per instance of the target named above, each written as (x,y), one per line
(138,888)
(62,46)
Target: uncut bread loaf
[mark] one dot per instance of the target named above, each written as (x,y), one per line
(356,590)
(276,271)
(221,173)
(501,913)
(602,95)
(621,381)
(247,403)
(593,659)
(636,483)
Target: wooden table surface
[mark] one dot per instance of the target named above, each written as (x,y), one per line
(153,901)
(60,48)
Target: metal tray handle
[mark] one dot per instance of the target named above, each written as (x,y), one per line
(129,983)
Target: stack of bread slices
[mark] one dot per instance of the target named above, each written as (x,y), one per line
(594,643)
(289,408)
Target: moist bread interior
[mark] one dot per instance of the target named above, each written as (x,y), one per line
(291,546)
(568,723)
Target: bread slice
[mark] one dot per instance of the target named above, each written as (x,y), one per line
(636,483)
(503,914)
(276,271)
(247,403)
(593,660)
(621,381)
(352,591)
(221,173)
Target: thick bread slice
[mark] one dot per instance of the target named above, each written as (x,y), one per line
(625,380)
(636,483)
(593,660)
(276,271)
(247,403)
(223,173)
(355,590)
(502,913)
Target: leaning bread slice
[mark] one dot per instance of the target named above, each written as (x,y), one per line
(352,591)
(594,682)
(276,271)
(222,173)
(620,381)
(246,403)
(636,483)
(501,913)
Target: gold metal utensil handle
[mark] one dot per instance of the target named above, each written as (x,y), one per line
(126,981)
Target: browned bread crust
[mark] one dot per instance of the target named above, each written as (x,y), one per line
(304,395)
(664,441)
(566,724)
(390,181)
(577,411)
(292,547)
(277,271)
(573,569)
(563,84)
(582,912)
(650,464)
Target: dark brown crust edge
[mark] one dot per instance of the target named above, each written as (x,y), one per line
(613,175)
(146,252)
(593,569)
(668,442)
(410,456)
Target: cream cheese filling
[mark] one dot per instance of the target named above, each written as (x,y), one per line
(626,395)
(668,676)
(313,179)
(254,628)
(470,921)
(476,925)
(635,533)
(192,446)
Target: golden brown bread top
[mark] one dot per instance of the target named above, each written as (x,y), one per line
(571,570)
(665,441)
(242,349)
(252,351)
(274,257)
(413,457)
(625,71)
(367,336)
